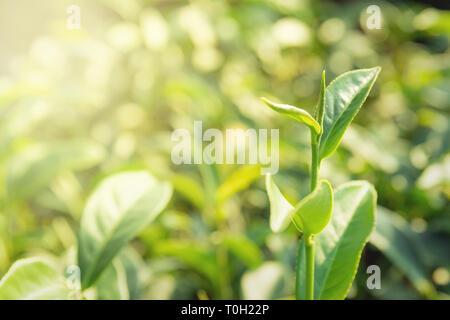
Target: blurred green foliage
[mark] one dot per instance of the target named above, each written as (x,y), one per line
(79,105)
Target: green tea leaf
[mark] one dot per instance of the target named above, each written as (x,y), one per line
(343,99)
(313,213)
(295,113)
(33,279)
(125,278)
(136,270)
(112,284)
(339,245)
(34,167)
(280,208)
(115,213)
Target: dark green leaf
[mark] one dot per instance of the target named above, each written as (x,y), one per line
(112,284)
(339,245)
(343,98)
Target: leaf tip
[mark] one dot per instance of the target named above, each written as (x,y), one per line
(377,70)
(265,100)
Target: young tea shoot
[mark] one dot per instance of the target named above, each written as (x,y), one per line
(336,224)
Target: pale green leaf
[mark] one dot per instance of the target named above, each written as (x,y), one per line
(343,99)
(115,213)
(339,246)
(34,167)
(295,113)
(33,279)
(313,213)
(280,208)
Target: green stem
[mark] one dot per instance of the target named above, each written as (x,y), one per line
(309,248)
(308,239)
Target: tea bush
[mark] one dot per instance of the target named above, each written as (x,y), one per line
(92,207)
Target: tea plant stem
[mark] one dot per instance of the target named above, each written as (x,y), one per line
(309,241)
(309,248)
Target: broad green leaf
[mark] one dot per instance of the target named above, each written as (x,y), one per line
(313,213)
(33,279)
(295,113)
(280,208)
(115,213)
(343,98)
(394,238)
(136,271)
(112,284)
(34,167)
(244,249)
(339,246)
(125,278)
